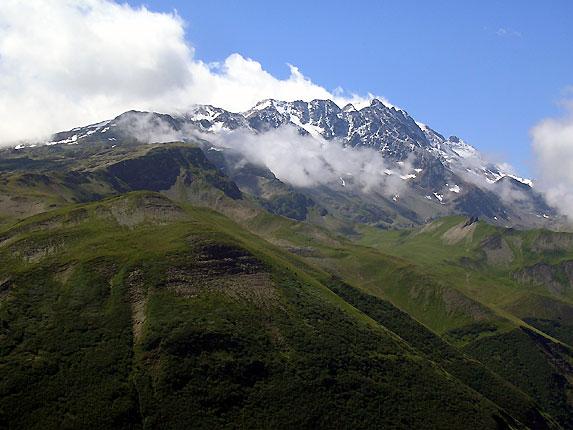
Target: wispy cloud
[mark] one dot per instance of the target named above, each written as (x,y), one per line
(69,62)
(302,161)
(502,31)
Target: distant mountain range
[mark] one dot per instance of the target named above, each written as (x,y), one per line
(419,175)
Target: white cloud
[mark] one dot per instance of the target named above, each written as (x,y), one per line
(502,31)
(552,145)
(66,63)
(305,161)
(302,161)
(147,127)
(309,161)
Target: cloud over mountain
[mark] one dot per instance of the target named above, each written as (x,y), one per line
(72,62)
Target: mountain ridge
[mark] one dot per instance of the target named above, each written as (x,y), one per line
(377,157)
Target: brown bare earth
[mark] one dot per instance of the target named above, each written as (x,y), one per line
(458,233)
(497,251)
(65,272)
(552,241)
(153,209)
(220,268)
(137,302)
(539,274)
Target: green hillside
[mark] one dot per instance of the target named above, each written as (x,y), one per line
(521,276)
(51,177)
(138,313)
(136,309)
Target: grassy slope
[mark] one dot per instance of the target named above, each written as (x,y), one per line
(39,179)
(485,274)
(322,249)
(129,313)
(430,298)
(529,356)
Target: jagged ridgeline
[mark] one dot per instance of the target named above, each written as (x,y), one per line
(138,312)
(373,165)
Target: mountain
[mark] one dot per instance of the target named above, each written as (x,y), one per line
(395,172)
(57,176)
(154,285)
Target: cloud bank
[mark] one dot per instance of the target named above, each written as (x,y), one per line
(306,161)
(552,145)
(299,160)
(66,63)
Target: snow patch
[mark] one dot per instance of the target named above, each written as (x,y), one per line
(522,180)
(314,130)
(216,127)
(263,104)
(70,141)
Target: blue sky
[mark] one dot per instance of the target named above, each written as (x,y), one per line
(486,71)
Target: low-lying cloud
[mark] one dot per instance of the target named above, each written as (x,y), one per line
(299,160)
(148,127)
(306,161)
(552,145)
(73,62)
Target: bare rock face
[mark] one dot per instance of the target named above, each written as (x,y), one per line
(471,220)
(435,176)
(540,274)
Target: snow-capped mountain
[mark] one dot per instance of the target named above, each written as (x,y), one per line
(387,129)
(436,176)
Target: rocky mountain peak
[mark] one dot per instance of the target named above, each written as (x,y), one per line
(349,108)
(438,172)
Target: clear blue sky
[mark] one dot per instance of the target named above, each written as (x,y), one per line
(486,71)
